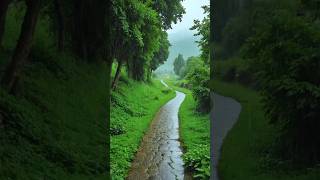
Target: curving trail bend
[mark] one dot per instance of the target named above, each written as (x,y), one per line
(159,155)
(224,115)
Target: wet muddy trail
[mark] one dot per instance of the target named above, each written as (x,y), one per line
(159,155)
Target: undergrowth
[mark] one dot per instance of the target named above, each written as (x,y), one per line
(134,105)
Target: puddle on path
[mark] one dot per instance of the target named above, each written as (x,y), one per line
(159,155)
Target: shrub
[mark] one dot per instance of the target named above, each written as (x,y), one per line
(198,161)
(284,54)
(234,69)
(199,79)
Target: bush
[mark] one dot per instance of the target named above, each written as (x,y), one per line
(284,54)
(198,161)
(199,79)
(234,69)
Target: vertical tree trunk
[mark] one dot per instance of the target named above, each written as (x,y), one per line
(3,12)
(60,21)
(23,46)
(117,75)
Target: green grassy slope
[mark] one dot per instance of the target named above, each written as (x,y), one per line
(55,127)
(245,149)
(134,105)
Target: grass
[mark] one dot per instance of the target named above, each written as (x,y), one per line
(55,127)
(194,135)
(134,105)
(245,149)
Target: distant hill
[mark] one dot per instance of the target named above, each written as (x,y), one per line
(183,43)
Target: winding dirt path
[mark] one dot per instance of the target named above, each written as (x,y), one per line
(224,114)
(159,155)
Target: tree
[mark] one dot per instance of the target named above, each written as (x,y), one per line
(203,30)
(170,11)
(199,80)
(3,12)
(178,64)
(163,53)
(191,64)
(23,47)
(60,24)
(284,56)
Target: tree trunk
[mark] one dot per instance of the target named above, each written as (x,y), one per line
(23,46)
(80,29)
(117,75)
(60,21)
(3,12)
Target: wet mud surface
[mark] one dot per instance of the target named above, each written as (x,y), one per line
(159,155)
(224,114)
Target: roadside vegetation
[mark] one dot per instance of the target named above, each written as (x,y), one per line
(134,106)
(194,134)
(246,152)
(271,49)
(192,78)
(55,79)
(52,123)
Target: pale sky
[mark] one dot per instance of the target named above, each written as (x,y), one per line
(193,11)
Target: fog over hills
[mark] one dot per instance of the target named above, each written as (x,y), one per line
(182,39)
(183,43)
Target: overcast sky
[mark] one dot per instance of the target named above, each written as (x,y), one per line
(193,11)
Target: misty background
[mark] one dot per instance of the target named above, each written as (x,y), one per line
(181,38)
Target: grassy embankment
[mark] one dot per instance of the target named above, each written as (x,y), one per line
(194,134)
(245,149)
(134,105)
(55,127)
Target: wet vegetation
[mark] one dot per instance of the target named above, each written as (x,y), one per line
(195,135)
(52,125)
(194,72)
(271,47)
(134,105)
(60,61)
(193,79)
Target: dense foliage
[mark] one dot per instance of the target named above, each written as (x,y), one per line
(196,69)
(286,60)
(199,161)
(51,53)
(139,35)
(273,46)
(203,30)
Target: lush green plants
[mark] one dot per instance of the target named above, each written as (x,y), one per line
(198,161)
(194,134)
(199,79)
(134,105)
(284,56)
(41,123)
(247,150)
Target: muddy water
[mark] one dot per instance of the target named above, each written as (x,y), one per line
(159,155)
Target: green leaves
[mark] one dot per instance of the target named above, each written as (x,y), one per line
(203,30)
(283,54)
(198,160)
